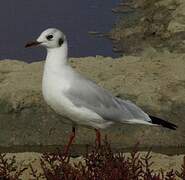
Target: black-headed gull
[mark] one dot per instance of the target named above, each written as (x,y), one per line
(79,99)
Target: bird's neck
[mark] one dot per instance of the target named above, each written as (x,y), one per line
(57,58)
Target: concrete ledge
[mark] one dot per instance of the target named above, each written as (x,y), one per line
(156,83)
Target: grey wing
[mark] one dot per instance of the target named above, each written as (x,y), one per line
(85,93)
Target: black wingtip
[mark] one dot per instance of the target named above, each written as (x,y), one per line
(163,123)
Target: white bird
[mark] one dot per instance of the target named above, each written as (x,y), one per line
(79,99)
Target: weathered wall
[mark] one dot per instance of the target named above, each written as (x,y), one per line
(158,25)
(156,82)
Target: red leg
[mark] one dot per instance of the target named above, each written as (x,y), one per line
(98,137)
(72,136)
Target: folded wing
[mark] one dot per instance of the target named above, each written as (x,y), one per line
(85,93)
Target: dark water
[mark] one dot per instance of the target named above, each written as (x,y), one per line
(24,20)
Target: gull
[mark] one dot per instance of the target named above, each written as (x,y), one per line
(79,99)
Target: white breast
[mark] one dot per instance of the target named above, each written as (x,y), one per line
(53,89)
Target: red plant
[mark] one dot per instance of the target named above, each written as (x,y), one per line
(182,173)
(102,164)
(8,168)
(99,164)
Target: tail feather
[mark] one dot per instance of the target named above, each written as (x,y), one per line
(163,123)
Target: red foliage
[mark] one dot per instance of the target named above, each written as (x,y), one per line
(182,173)
(99,164)
(8,168)
(102,164)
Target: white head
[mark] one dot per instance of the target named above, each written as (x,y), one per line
(50,38)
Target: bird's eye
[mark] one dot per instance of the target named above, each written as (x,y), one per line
(49,37)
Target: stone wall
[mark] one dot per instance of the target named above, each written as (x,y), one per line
(155,82)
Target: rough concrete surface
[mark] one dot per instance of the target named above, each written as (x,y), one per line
(154,24)
(155,82)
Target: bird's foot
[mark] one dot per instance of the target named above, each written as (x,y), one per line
(66,149)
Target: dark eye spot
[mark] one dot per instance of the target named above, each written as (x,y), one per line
(49,37)
(60,42)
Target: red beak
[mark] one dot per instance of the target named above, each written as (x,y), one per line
(32,44)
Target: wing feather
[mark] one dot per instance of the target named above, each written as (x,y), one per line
(86,93)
